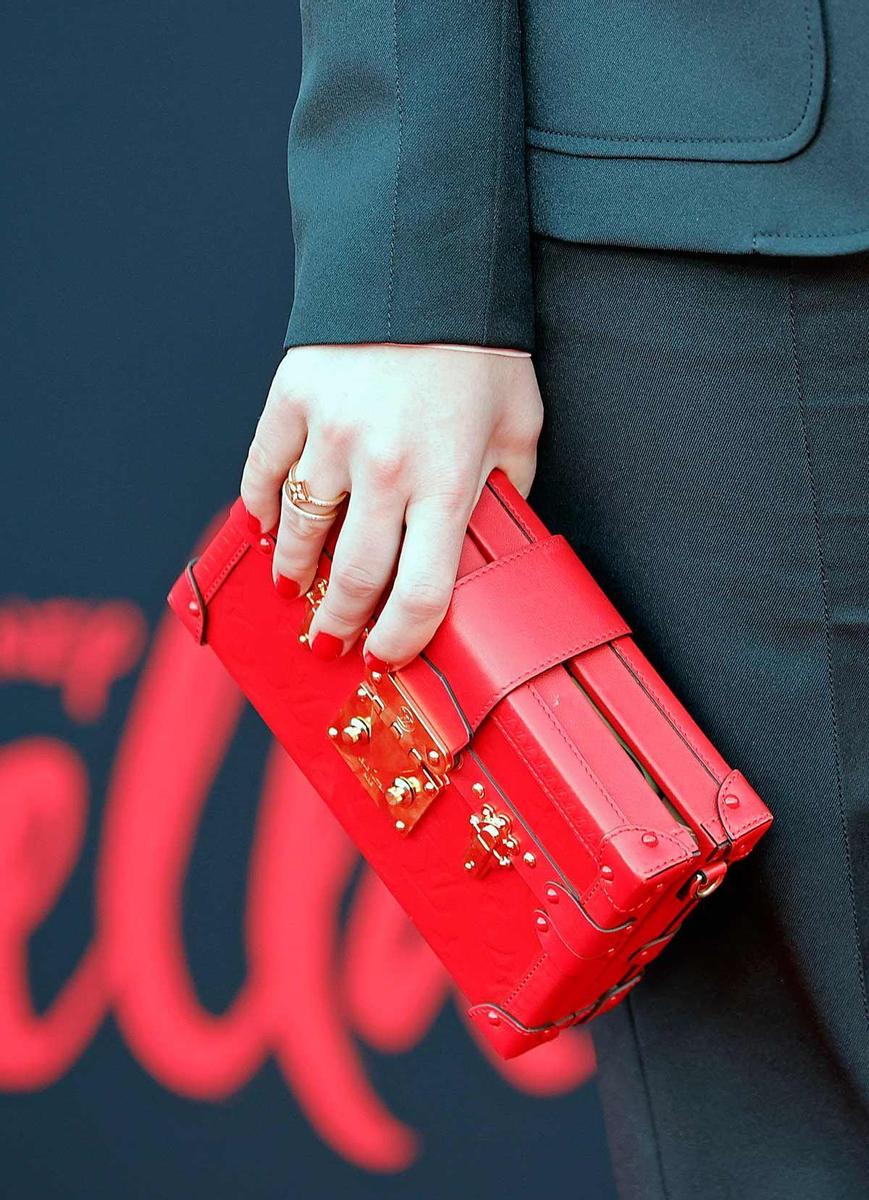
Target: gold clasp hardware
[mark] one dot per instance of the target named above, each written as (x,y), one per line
(315,595)
(493,841)
(392,749)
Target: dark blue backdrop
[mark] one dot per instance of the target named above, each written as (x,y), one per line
(147,270)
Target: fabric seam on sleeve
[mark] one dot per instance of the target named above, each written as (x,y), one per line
(399,109)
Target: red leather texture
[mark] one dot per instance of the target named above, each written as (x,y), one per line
(522,590)
(610,814)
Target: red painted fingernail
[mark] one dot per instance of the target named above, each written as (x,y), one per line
(326,646)
(253,525)
(373,663)
(288,588)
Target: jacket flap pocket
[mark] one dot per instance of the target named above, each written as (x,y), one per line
(738,82)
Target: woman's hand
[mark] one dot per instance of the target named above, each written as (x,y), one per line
(412,434)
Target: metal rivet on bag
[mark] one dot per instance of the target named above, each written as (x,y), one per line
(542,923)
(265,544)
(552,895)
(607,871)
(529,859)
(494,1019)
(400,826)
(731,801)
(649,839)
(193,607)
(478,790)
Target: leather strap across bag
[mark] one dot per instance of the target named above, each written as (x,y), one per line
(528,788)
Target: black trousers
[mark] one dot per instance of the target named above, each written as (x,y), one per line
(706,450)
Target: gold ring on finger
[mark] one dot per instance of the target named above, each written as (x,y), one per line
(297,492)
(303,512)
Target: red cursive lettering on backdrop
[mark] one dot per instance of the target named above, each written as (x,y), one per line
(314,988)
(78,647)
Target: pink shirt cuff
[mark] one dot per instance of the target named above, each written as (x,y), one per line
(456,346)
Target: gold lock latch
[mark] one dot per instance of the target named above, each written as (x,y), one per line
(314,596)
(387,741)
(493,842)
(392,749)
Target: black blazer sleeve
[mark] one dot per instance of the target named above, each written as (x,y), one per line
(407,175)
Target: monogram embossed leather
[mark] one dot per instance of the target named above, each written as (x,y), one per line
(529,788)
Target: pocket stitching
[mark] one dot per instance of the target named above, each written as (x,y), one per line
(686,139)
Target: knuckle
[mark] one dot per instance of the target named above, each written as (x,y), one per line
(455,502)
(355,581)
(336,620)
(386,467)
(298,529)
(453,498)
(423,599)
(336,429)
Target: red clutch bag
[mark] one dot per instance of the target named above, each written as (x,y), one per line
(528,788)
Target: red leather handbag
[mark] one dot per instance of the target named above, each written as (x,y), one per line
(529,788)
